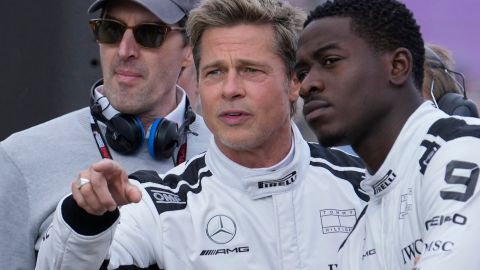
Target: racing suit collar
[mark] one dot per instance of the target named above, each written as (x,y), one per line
(260,183)
(412,132)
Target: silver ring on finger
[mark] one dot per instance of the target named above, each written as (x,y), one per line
(82,182)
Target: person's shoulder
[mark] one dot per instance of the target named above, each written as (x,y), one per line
(334,156)
(340,165)
(50,126)
(445,132)
(451,139)
(188,171)
(47,139)
(168,191)
(455,127)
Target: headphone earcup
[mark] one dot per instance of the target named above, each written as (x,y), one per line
(125,133)
(163,139)
(455,104)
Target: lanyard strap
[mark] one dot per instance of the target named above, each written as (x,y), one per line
(99,140)
(182,153)
(183,130)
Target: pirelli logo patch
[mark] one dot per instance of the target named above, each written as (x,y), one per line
(386,181)
(284,181)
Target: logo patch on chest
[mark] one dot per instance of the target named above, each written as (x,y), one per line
(337,221)
(406,203)
(221,229)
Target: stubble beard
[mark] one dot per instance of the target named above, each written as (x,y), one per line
(251,141)
(329,139)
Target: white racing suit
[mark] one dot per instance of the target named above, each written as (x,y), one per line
(211,213)
(425,203)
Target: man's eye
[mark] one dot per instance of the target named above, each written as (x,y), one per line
(301,75)
(213,73)
(330,61)
(250,70)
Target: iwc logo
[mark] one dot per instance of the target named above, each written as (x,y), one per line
(221,229)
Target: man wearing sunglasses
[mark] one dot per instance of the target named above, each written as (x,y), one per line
(143,50)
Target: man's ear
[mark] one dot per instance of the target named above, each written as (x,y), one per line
(188,58)
(188,76)
(401,62)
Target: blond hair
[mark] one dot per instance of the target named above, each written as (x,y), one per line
(438,61)
(286,22)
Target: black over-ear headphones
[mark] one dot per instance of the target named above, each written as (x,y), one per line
(125,132)
(451,103)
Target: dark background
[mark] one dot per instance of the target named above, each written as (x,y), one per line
(49,60)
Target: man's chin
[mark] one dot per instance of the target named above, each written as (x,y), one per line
(330,140)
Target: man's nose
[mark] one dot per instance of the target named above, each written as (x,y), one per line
(128,46)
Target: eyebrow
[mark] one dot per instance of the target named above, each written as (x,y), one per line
(317,53)
(321,50)
(240,62)
(210,65)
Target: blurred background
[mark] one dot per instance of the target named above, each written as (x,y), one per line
(50,59)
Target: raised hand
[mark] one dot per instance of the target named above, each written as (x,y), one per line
(103,187)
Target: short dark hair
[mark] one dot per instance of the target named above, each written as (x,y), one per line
(385,24)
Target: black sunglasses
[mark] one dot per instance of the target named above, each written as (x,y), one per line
(149,35)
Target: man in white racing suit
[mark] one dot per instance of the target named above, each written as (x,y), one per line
(424,199)
(423,165)
(259,198)
(213,213)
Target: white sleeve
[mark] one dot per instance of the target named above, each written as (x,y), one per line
(450,207)
(138,241)
(64,247)
(93,241)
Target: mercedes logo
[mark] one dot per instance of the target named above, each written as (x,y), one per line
(221,229)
